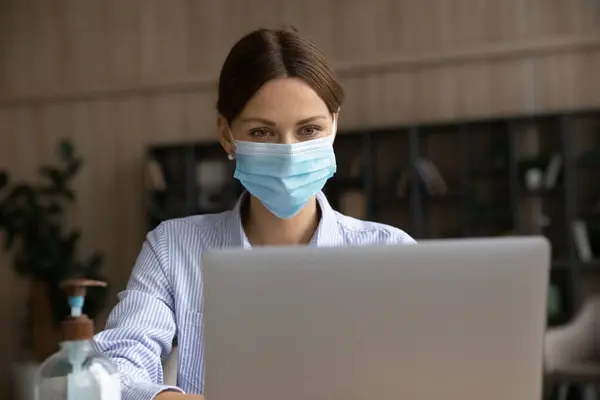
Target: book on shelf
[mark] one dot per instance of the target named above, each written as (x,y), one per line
(539,173)
(155,176)
(553,171)
(429,175)
(582,241)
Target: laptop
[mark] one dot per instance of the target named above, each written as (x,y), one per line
(451,319)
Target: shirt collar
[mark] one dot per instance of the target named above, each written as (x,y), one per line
(327,233)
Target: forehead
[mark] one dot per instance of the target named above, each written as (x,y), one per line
(285,99)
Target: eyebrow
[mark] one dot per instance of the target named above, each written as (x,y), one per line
(307,120)
(259,120)
(271,123)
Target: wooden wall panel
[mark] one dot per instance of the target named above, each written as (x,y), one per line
(560,17)
(392,98)
(68,46)
(565,80)
(200,117)
(119,75)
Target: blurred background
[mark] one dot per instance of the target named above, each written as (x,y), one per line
(463,118)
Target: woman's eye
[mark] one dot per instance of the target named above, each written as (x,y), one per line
(260,133)
(310,130)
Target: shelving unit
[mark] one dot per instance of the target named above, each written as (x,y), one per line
(188,179)
(495,180)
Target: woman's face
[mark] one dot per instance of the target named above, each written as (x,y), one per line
(285,110)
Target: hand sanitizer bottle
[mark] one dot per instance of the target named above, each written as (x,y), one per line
(76,371)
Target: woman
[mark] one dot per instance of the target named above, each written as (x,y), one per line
(278,108)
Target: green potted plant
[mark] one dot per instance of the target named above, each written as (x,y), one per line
(44,248)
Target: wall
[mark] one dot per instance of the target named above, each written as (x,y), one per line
(118,75)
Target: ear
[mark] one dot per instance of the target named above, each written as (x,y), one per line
(225,135)
(334,127)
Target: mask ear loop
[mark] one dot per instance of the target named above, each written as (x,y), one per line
(231,156)
(334,125)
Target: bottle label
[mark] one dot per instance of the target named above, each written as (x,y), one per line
(84,385)
(111,389)
(93,384)
(109,385)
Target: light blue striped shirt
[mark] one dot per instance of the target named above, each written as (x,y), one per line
(163,298)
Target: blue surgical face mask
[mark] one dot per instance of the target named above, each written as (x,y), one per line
(284,177)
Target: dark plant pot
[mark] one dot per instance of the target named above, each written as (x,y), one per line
(45,335)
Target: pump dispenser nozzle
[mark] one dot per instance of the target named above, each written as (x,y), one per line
(78,326)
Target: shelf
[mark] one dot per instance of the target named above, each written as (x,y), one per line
(588,163)
(485,170)
(346,183)
(590,159)
(592,216)
(565,264)
(483,162)
(392,202)
(480,161)
(492,219)
(450,197)
(593,265)
(561,264)
(543,193)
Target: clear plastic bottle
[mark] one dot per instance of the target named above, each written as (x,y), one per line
(76,371)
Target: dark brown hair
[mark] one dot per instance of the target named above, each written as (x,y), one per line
(267,54)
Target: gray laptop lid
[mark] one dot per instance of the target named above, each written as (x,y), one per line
(456,319)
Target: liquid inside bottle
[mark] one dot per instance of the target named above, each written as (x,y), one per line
(77,372)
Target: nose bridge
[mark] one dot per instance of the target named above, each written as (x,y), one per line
(288,137)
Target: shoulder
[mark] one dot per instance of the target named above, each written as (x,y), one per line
(198,232)
(179,244)
(195,222)
(359,232)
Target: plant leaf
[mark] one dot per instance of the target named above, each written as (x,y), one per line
(9,239)
(73,238)
(73,167)
(22,192)
(33,226)
(55,177)
(3,179)
(54,209)
(66,151)
(69,194)
(48,191)
(94,264)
